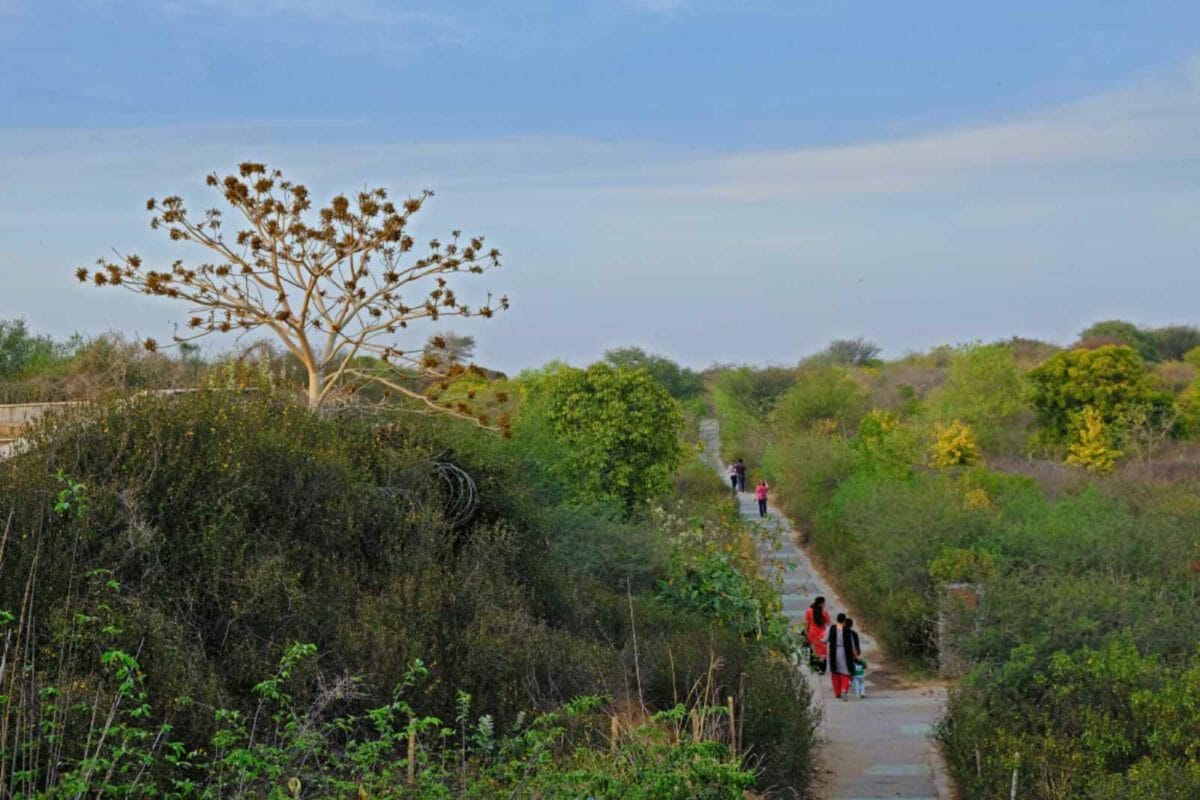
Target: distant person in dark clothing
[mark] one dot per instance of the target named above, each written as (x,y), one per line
(740,466)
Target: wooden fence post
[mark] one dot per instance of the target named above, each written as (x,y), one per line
(733,748)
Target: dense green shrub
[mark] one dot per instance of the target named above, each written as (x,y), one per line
(756,389)
(617,431)
(200,535)
(1096,723)
(1110,379)
(683,383)
(826,396)
(985,389)
(240,524)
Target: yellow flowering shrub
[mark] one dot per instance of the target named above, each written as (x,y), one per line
(1091,446)
(978,498)
(954,445)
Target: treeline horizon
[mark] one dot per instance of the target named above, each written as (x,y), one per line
(21,345)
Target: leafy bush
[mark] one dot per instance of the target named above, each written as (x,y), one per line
(198,536)
(828,397)
(1097,723)
(883,445)
(1121,333)
(985,389)
(756,389)
(617,430)
(1109,379)
(681,382)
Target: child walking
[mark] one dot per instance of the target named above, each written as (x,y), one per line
(760,494)
(858,680)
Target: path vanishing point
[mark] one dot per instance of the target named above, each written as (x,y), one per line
(877,748)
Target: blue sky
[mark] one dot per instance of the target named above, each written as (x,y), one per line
(713,180)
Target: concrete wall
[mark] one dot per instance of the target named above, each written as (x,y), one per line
(14,419)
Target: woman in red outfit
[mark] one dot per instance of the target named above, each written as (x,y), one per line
(816,620)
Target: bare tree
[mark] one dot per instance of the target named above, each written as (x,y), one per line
(333,286)
(850,352)
(449,348)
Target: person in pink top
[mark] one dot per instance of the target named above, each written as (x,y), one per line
(760,494)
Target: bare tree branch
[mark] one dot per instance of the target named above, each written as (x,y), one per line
(332,285)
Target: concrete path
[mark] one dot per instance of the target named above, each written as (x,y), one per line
(875,748)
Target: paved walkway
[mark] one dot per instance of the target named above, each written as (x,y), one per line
(875,748)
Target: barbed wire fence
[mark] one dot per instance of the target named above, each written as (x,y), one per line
(460,494)
(457,497)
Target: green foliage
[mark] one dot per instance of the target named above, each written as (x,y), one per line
(296,743)
(1187,406)
(21,352)
(884,446)
(200,535)
(607,550)
(681,382)
(1173,342)
(1111,722)
(1120,332)
(880,533)
(985,389)
(1168,343)
(827,397)
(811,466)
(714,572)
(242,522)
(1083,647)
(743,435)
(962,565)
(1109,379)
(618,431)
(50,371)
(756,390)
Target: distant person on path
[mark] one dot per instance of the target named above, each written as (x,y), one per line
(842,649)
(733,477)
(816,620)
(760,494)
(740,466)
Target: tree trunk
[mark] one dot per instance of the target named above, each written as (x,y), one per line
(316,381)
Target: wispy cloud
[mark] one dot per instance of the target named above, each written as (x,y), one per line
(1152,123)
(1092,203)
(1155,121)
